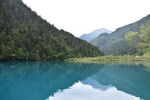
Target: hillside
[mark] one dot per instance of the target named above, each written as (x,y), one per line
(132,39)
(94,34)
(26,36)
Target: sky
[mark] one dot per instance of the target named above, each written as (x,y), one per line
(83,16)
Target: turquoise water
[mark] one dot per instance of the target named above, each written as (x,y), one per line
(72,81)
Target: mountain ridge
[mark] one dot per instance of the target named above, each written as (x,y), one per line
(24,35)
(94,34)
(127,40)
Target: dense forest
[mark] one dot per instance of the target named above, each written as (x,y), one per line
(132,39)
(26,36)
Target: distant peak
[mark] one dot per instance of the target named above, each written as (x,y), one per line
(94,34)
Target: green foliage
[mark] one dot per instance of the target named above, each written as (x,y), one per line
(132,39)
(26,36)
(112,59)
(130,36)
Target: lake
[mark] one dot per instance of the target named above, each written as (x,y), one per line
(73,81)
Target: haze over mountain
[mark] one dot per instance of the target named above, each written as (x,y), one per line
(132,39)
(94,34)
(26,36)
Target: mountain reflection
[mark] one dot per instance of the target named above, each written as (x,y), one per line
(111,82)
(132,79)
(63,81)
(81,91)
(38,80)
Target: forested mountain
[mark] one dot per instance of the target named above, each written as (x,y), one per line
(94,34)
(26,36)
(132,39)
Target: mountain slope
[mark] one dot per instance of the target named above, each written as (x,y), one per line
(132,39)
(94,34)
(26,36)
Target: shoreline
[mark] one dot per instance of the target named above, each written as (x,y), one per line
(112,60)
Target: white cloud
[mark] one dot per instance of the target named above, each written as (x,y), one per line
(83,16)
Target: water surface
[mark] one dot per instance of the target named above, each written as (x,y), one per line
(73,81)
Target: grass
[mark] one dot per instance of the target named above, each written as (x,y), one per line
(112,59)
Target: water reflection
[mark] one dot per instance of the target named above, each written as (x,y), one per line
(73,81)
(132,79)
(39,80)
(95,84)
(111,82)
(80,91)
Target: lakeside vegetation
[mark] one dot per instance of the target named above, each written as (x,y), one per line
(112,59)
